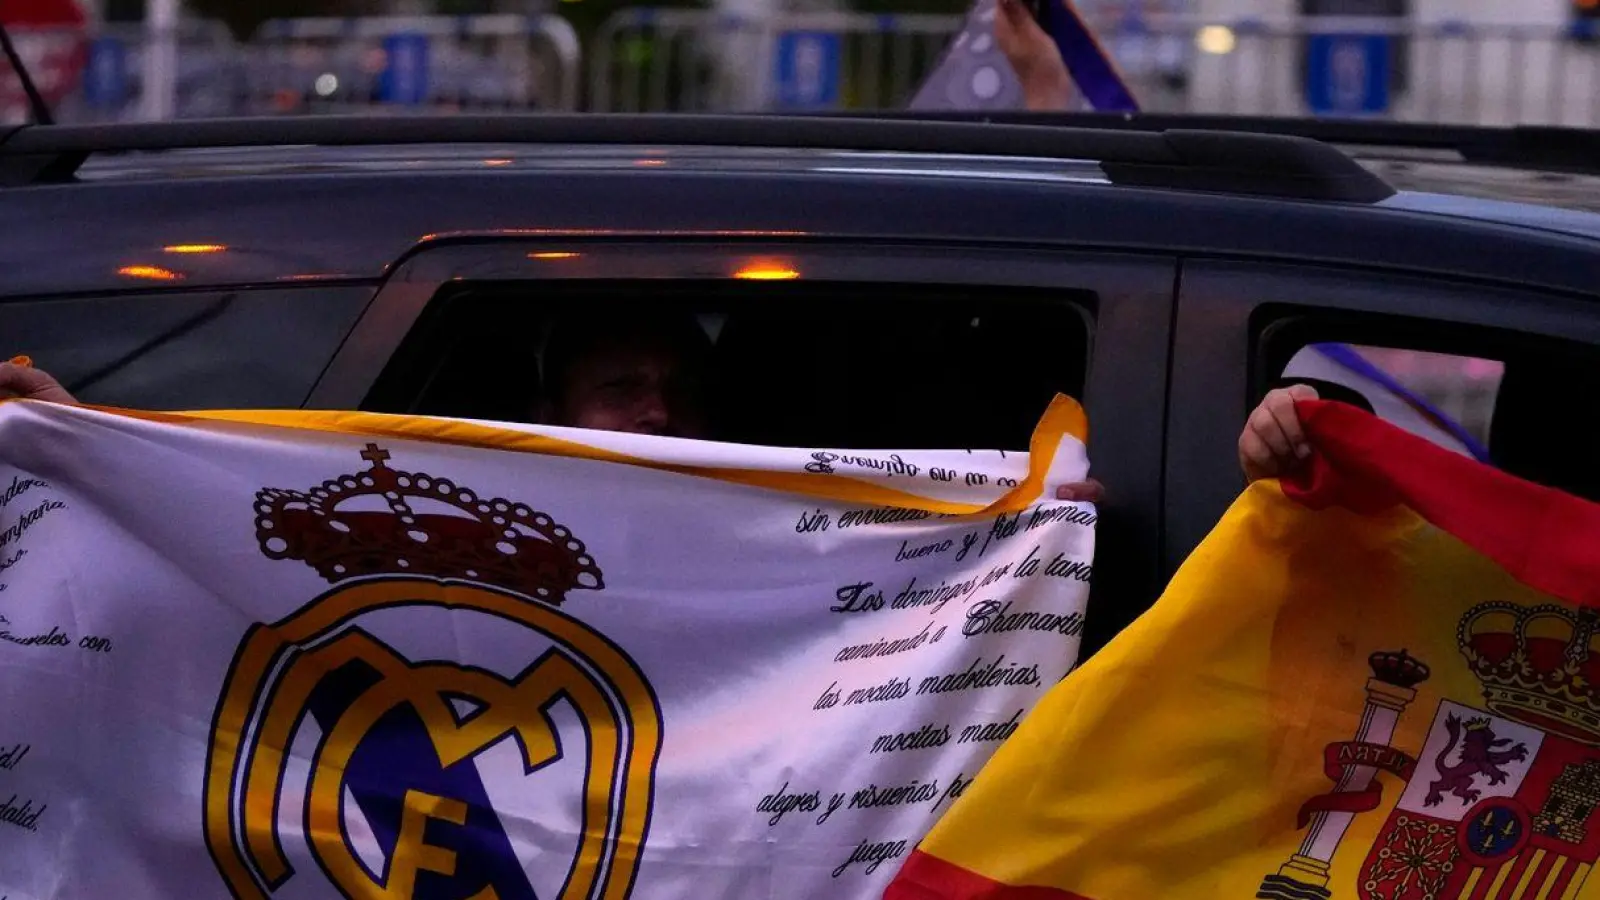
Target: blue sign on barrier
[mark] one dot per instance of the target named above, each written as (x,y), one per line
(1348,74)
(405,77)
(105,78)
(807,72)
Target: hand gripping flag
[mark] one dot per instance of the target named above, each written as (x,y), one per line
(1378,682)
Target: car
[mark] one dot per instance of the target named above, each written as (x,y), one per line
(888,282)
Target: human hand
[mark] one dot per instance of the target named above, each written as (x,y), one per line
(1273,441)
(1087,491)
(1046,84)
(27,383)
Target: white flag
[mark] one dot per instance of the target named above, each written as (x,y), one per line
(323,655)
(973,73)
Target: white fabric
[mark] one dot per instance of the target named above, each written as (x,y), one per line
(1309,363)
(135,586)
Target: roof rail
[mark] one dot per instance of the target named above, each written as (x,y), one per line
(1538,147)
(1238,163)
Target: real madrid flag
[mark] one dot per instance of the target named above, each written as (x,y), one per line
(1379,683)
(317,655)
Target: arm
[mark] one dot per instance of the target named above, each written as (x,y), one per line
(1046,84)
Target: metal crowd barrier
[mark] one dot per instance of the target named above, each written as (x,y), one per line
(656,60)
(1441,71)
(651,60)
(99,76)
(494,62)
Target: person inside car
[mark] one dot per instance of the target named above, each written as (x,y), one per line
(640,374)
(649,375)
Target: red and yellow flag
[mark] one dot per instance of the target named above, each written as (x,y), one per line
(1379,682)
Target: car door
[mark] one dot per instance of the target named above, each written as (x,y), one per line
(1519,366)
(1114,361)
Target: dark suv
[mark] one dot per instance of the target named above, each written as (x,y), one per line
(875,283)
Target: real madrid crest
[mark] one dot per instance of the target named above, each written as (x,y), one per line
(339,757)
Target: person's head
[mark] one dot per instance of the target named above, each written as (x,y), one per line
(641,373)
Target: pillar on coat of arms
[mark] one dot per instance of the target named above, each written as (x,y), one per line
(1389,691)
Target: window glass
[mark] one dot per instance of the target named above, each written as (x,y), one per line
(1464,388)
(1503,398)
(1446,398)
(199,350)
(790,364)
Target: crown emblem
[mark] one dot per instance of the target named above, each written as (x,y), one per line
(1399,669)
(387,522)
(1538,665)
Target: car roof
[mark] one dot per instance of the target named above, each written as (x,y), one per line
(1564,204)
(328,200)
(1575,222)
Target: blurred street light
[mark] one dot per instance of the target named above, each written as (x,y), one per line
(1218,40)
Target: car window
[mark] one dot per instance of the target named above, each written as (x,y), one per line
(1509,399)
(192,350)
(1446,398)
(795,364)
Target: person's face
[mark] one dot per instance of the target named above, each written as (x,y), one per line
(637,386)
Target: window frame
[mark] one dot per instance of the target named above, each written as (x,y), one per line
(355,300)
(1217,344)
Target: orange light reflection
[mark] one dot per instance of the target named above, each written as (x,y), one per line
(195,248)
(767,272)
(609,233)
(154,273)
(553,254)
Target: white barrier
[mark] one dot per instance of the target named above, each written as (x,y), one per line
(1436,71)
(505,62)
(99,75)
(646,60)
(692,60)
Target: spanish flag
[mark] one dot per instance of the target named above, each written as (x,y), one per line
(1378,682)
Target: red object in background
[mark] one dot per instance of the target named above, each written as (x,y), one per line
(52,36)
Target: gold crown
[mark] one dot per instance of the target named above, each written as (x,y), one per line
(1538,665)
(1477,724)
(387,522)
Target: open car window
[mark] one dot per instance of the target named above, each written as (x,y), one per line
(796,364)
(1508,399)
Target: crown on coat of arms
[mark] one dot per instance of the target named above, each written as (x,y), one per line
(388,522)
(1399,669)
(1538,665)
